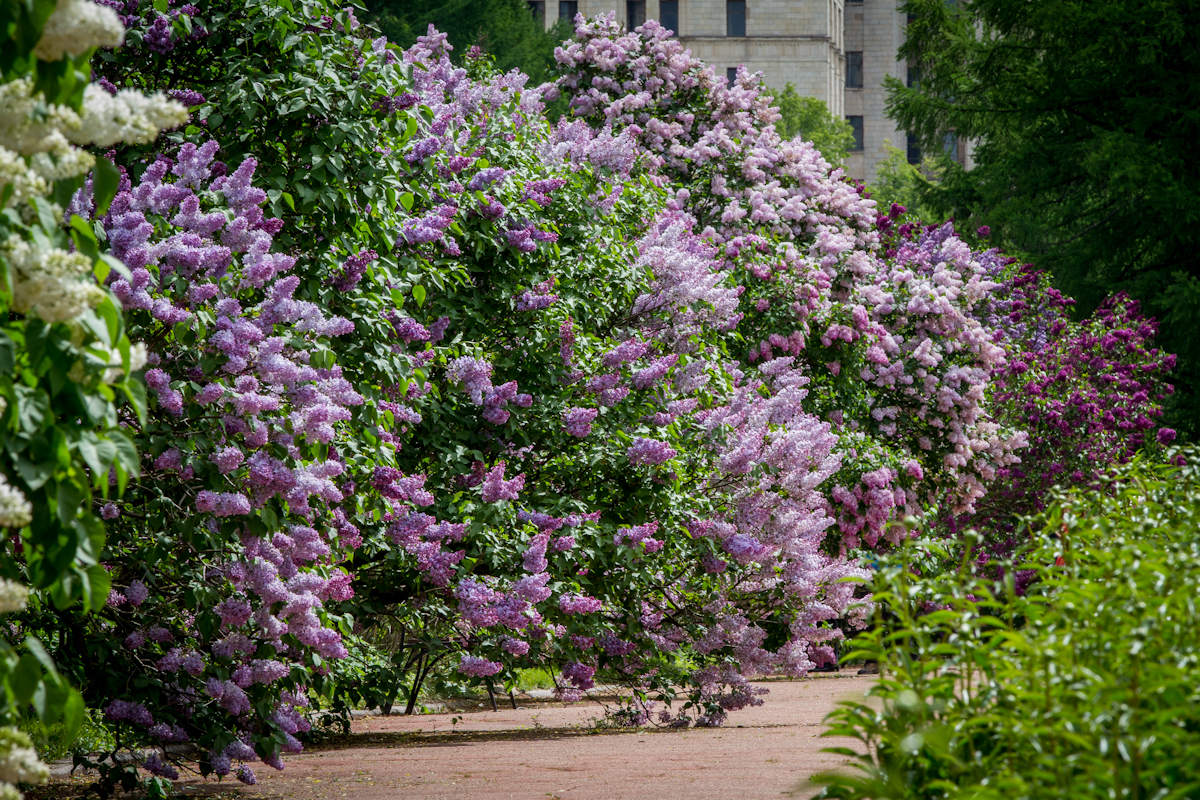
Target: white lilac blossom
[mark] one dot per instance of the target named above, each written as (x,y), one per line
(15,510)
(50,283)
(19,762)
(104,119)
(13,596)
(25,182)
(77,26)
(129,116)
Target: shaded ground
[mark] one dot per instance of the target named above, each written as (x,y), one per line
(556,751)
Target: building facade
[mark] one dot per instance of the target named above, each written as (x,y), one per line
(839,51)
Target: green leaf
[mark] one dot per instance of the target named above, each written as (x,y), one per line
(32,407)
(70,498)
(406,200)
(126,452)
(25,678)
(116,265)
(106,178)
(87,450)
(135,390)
(418,292)
(7,353)
(100,584)
(72,716)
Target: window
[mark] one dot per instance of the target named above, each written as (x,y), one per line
(538,9)
(668,15)
(914,149)
(635,13)
(735,17)
(914,77)
(854,70)
(852,2)
(856,126)
(731,75)
(950,146)
(567,9)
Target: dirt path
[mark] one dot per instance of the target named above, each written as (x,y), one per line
(556,752)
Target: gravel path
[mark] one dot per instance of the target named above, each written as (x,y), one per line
(556,751)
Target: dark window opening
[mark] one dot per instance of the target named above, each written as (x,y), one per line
(735,17)
(914,149)
(567,9)
(950,144)
(538,9)
(731,75)
(914,77)
(854,70)
(635,13)
(668,15)
(856,127)
(853,2)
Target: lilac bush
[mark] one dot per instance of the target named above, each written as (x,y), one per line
(886,342)
(1089,393)
(436,382)
(238,469)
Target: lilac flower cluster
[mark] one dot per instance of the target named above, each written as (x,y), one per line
(649,451)
(199,251)
(478,667)
(1088,393)
(578,421)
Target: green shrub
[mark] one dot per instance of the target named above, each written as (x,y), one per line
(52,741)
(1083,686)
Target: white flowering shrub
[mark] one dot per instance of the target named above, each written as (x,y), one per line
(67,367)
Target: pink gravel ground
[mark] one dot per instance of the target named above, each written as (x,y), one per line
(556,751)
